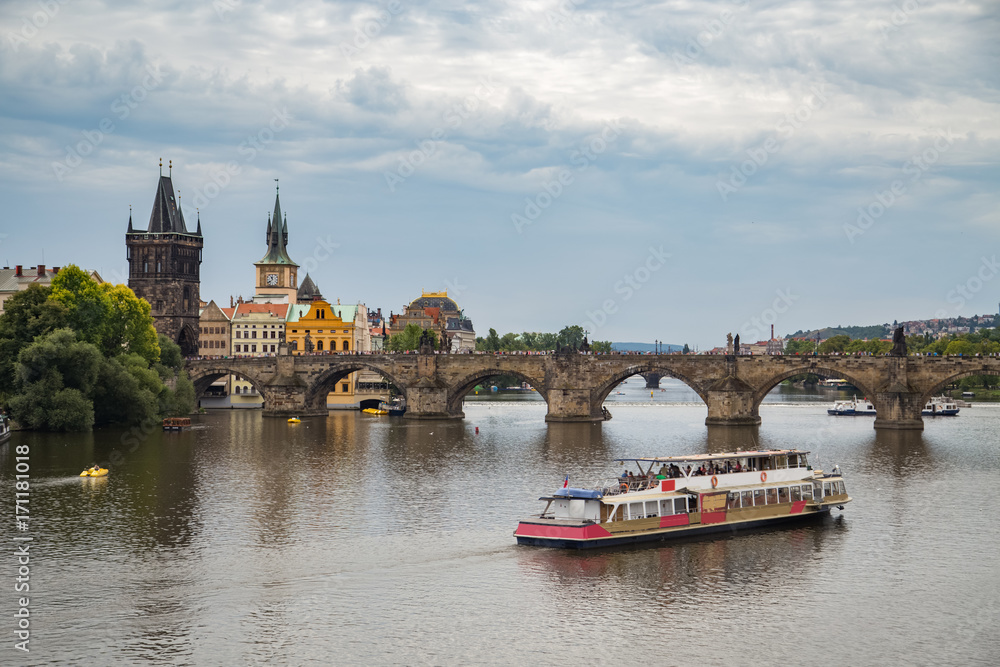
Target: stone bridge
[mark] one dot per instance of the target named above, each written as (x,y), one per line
(575,385)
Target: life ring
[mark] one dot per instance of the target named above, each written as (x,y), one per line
(763,476)
(624,487)
(715,481)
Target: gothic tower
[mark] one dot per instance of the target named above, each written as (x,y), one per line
(164,267)
(277,278)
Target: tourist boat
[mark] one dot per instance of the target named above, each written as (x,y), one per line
(852,407)
(5,431)
(94,472)
(939,406)
(294,420)
(395,408)
(968,394)
(836,383)
(176,423)
(669,499)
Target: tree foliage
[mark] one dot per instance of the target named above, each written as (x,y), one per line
(408,339)
(78,353)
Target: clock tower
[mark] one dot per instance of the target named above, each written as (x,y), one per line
(277,274)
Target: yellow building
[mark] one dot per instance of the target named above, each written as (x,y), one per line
(320,327)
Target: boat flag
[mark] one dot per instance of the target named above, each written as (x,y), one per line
(566,482)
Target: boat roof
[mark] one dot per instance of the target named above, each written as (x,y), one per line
(714,457)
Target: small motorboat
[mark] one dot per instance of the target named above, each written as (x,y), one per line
(294,420)
(94,472)
(375,411)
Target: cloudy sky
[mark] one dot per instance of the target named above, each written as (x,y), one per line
(651,170)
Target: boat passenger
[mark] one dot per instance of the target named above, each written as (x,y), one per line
(688,471)
(664,470)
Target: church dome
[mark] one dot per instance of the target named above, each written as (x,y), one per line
(435,300)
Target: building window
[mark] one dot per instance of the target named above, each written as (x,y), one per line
(238,333)
(253,334)
(319,345)
(343,388)
(253,348)
(346,346)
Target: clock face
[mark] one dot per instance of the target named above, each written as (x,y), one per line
(272,279)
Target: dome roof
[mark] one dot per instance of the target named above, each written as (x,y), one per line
(435,300)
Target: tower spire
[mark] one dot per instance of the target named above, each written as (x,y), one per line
(161,167)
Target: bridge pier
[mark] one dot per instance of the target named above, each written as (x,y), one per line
(426,401)
(731,403)
(573,405)
(652,380)
(289,401)
(898,411)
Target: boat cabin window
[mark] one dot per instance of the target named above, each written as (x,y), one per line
(796,493)
(666,507)
(680,505)
(780,462)
(782,494)
(747,500)
(732,501)
(758,497)
(793,461)
(807,492)
(651,509)
(772,496)
(636,511)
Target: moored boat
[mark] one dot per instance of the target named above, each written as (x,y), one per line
(5,431)
(176,423)
(852,407)
(940,406)
(671,498)
(395,408)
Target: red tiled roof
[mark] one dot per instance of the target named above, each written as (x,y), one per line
(277,309)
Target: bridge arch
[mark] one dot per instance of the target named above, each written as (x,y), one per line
(608,384)
(460,389)
(770,383)
(203,378)
(937,388)
(327,381)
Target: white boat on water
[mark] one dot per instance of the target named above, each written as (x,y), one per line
(940,406)
(680,496)
(852,407)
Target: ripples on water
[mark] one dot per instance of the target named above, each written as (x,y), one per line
(367,540)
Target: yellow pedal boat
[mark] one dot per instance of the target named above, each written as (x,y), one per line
(294,420)
(375,411)
(90,472)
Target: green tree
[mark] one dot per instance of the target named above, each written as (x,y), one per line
(88,306)
(129,328)
(491,343)
(961,347)
(510,342)
(601,346)
(571,336)
(56,375)
(834,344)
(408,339)
(126,391)
(800,346)
(27,315)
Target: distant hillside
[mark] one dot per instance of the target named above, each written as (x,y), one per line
(645,347)
(874,331)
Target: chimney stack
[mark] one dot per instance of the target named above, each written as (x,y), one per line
(772,332)
(17,270)
(55,269)
(41,270)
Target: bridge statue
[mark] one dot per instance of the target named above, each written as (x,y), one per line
(729,343)
(898,343)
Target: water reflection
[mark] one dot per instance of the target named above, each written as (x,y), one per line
(899,454)
(721,439)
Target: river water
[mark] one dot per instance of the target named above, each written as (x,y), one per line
(359,540)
